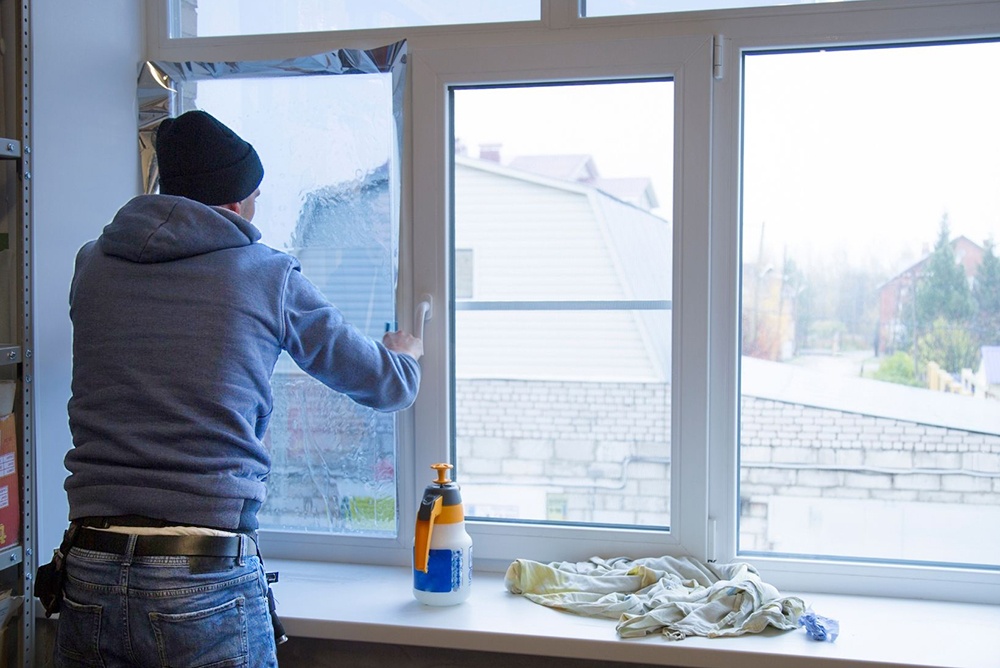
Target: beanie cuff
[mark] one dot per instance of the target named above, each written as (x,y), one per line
(226,185)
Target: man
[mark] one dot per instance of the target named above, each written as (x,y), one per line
(179,317)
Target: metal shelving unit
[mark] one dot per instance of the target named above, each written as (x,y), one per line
(11,556)
(17,561)
(9,354)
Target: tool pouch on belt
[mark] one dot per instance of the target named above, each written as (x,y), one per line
(49,579)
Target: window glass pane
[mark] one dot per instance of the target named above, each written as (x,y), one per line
(870,416)
(209,18)
(562,286)
(624,7)
(326,143)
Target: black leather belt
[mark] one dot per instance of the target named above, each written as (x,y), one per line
(162,546)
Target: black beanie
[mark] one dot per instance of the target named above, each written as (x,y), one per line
(201,159)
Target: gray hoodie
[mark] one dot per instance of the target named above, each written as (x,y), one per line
(179,317)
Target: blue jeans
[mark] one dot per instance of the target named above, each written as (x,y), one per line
(120,610)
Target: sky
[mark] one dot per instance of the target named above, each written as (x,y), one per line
(867,150)
(249,17)
(861,152)
(620,7)
(626,127)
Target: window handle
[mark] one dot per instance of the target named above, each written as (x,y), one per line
(424,311)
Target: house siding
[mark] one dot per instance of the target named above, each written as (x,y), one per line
(533,240)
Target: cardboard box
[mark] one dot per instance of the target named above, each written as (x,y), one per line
(10,608)
(8,388)
(10,506)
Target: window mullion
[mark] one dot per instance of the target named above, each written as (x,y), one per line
(724,306)
(692,278)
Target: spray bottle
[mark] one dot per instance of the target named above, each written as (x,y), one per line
(442,549)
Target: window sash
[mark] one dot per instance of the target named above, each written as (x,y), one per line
(796,573)
(688,62)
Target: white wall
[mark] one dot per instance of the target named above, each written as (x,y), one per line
(85,57)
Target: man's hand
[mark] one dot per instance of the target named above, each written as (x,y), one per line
(401,342)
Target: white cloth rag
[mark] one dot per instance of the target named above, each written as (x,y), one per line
(679,597)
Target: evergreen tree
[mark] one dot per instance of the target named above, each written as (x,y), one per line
(943,291)
(986,293)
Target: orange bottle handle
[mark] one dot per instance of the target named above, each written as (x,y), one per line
(424,531)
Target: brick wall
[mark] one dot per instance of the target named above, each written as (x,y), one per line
(792,450)
(601,451)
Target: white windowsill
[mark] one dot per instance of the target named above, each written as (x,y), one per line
(375,604)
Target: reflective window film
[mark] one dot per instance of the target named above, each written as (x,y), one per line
(326,199)
(211,18)
(562,294)
(329,146)
(870,409)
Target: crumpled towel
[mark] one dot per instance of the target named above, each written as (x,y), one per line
(679,597)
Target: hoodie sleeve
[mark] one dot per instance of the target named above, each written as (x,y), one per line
(339,355)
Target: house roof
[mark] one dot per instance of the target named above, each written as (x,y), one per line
(852,394)
(632,190)
(581,168)
(916,266)
(568,167)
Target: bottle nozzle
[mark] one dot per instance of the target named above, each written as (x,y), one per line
(442,473)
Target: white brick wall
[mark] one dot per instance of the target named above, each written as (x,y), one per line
(585,433)
(599,452)
(605,446)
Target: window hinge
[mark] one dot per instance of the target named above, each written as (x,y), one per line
(717,57)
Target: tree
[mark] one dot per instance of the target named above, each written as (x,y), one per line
(898,368)
(943,291)
(858,303)
(951,345)
(986,294)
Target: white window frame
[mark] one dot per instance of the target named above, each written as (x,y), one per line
(854,24)
(702,52)
(688,61)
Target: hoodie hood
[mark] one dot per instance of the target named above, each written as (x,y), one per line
(162,228)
